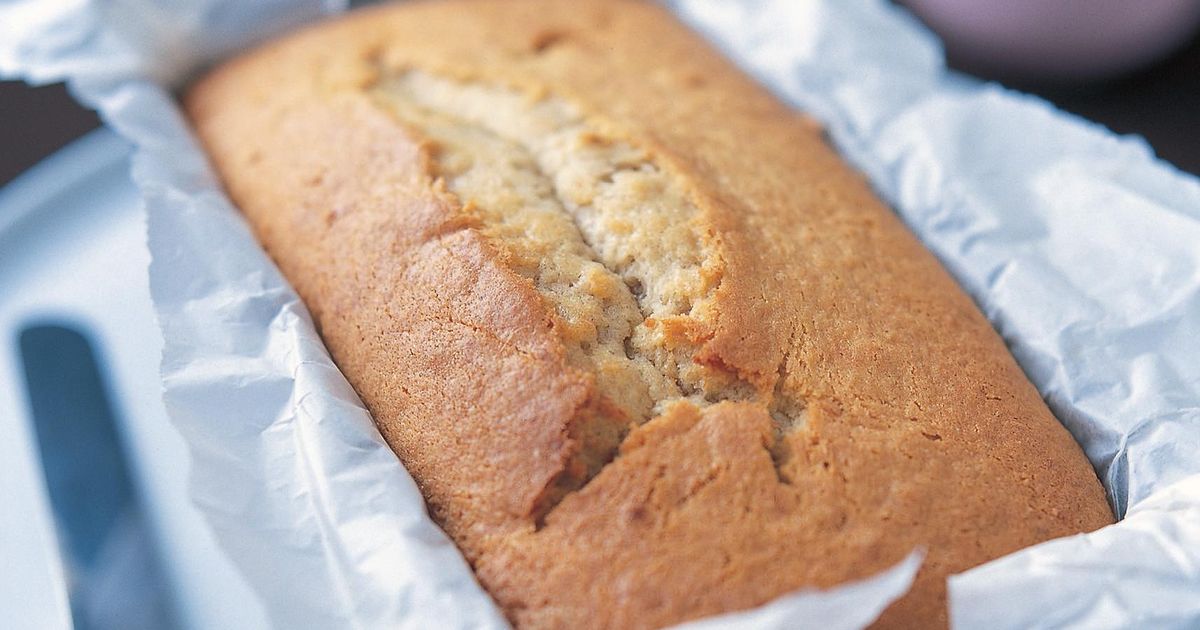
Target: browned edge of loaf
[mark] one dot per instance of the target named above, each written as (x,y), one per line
(821,398)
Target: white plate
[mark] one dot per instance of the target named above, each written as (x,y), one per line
(72,249)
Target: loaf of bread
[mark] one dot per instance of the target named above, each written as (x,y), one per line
(651,350)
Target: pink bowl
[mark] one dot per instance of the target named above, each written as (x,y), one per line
(1059,40)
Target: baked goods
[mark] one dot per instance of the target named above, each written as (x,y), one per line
(649,348)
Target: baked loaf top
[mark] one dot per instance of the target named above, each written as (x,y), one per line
(649,348)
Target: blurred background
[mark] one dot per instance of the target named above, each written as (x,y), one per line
(1133,67)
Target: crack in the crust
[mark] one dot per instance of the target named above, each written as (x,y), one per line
(569,480)
(788,413)
(622,260)
(709,478)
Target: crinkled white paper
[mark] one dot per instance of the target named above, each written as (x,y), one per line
(1141,573)
(1082,249)
(849,607)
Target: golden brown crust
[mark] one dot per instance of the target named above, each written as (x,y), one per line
(918,427)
